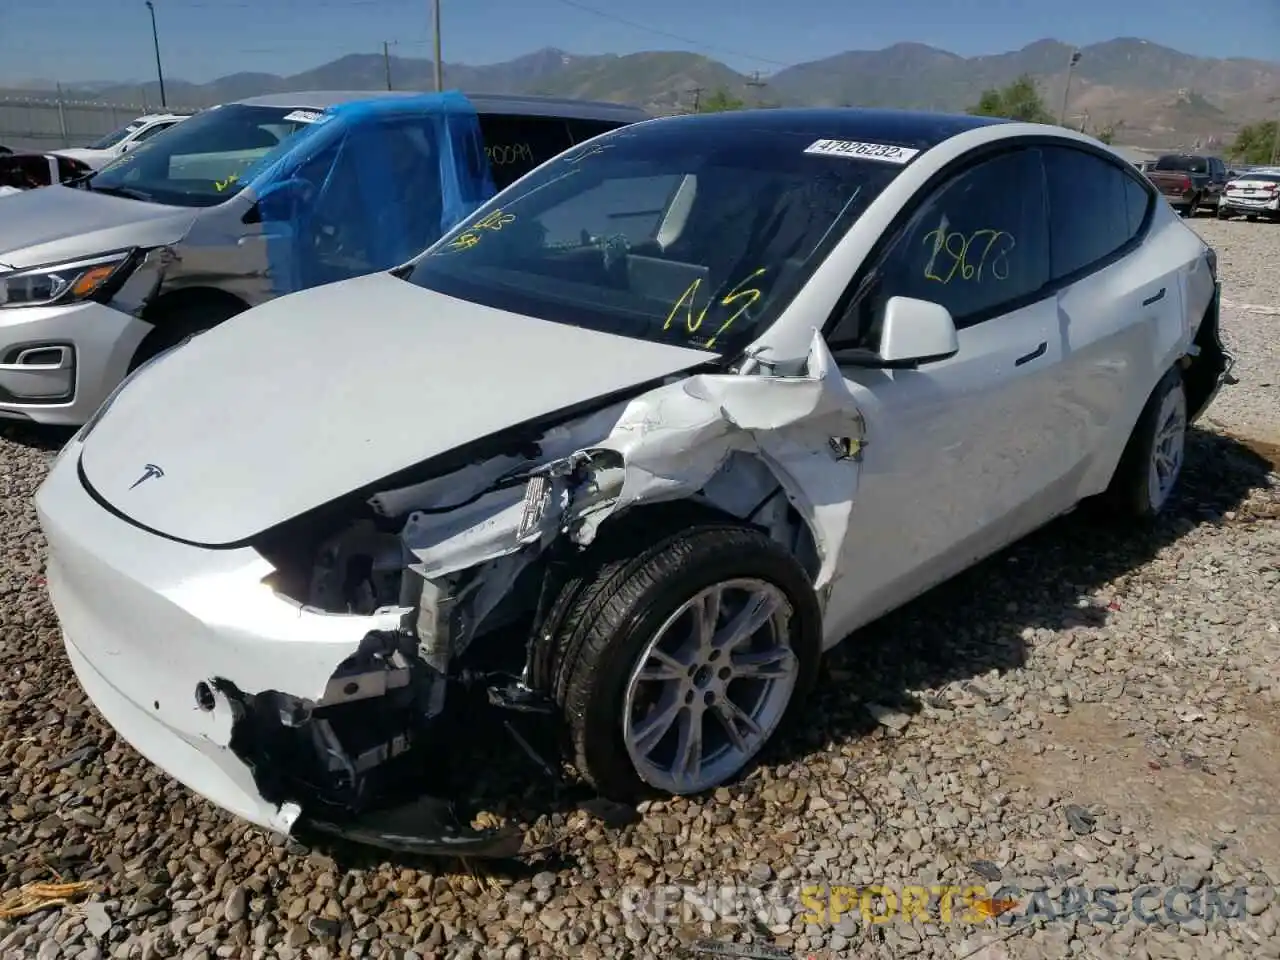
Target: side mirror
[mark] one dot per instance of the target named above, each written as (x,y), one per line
(912,332)
(917,331)
(277,201)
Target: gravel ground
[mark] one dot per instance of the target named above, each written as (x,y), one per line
(1249,262)
(1091,709)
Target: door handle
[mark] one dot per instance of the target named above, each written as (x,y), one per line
(1154,298)
(1037,352)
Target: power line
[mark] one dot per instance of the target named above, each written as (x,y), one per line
(671,36)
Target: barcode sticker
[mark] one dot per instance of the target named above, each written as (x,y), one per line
(854,150)
(304,116)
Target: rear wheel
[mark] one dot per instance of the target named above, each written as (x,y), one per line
(676,664)
(1151,465)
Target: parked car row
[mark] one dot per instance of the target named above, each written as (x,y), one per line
(1193,183)
(238,205)
(1252,195)
(626,444)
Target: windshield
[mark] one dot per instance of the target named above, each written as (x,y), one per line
(675,231)
(1183,164)
(206,159)
(1263,177)
(111,139)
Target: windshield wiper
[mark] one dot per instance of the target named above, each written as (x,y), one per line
(128,192)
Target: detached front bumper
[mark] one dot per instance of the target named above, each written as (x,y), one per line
(178,648)
(57,364)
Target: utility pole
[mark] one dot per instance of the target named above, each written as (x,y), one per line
(386,61)
(697,99)
(758,84)
(1066,92)
(155,39)
(435,15)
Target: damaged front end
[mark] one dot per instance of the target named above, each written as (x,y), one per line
(463,561)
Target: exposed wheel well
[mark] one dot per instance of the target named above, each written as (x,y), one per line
(1201,373)
(176,315)
(617,533)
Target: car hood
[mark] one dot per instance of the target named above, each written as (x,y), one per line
(315,395)
(61,223)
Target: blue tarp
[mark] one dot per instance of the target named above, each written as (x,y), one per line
(372,184)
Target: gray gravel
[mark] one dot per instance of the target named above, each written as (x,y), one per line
(1093,708)
(1248,255)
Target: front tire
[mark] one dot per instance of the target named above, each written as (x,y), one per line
(1152,462)
(675,664)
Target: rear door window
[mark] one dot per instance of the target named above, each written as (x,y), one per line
(514,145)
(149,132)
(1182,164)
(1090,213)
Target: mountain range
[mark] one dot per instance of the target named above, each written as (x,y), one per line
(1149,95)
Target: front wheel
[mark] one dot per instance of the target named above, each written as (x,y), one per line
(675,665)
(1151,465)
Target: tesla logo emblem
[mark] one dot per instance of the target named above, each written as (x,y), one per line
(149,471)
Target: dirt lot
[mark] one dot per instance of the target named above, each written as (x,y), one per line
(1092,711)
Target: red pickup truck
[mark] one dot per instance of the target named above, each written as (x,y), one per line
(1189,181)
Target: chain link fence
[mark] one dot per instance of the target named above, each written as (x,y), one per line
(32,123)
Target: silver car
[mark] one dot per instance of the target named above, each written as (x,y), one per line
(632,445)
(240,204)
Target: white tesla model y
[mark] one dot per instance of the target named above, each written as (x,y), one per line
(634,443)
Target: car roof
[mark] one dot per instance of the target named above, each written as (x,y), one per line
(483,102)
(901,127)
(152,117)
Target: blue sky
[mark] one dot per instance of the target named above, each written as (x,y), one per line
(72,40)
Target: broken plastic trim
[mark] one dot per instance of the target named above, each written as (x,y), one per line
(277,758)
(355,761)
(427,826)
(1208,364)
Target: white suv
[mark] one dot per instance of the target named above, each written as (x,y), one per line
(97,155)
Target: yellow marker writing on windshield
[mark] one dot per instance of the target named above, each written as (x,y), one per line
(693,323)
(491,221)
(221,185)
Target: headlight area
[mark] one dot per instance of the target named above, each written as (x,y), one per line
(460,563)
(72,281)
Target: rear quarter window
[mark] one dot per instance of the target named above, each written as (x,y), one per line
(514,145)
(1092,211)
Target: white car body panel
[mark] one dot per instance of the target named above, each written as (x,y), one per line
(146,619)
(289,404)
(947,463)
